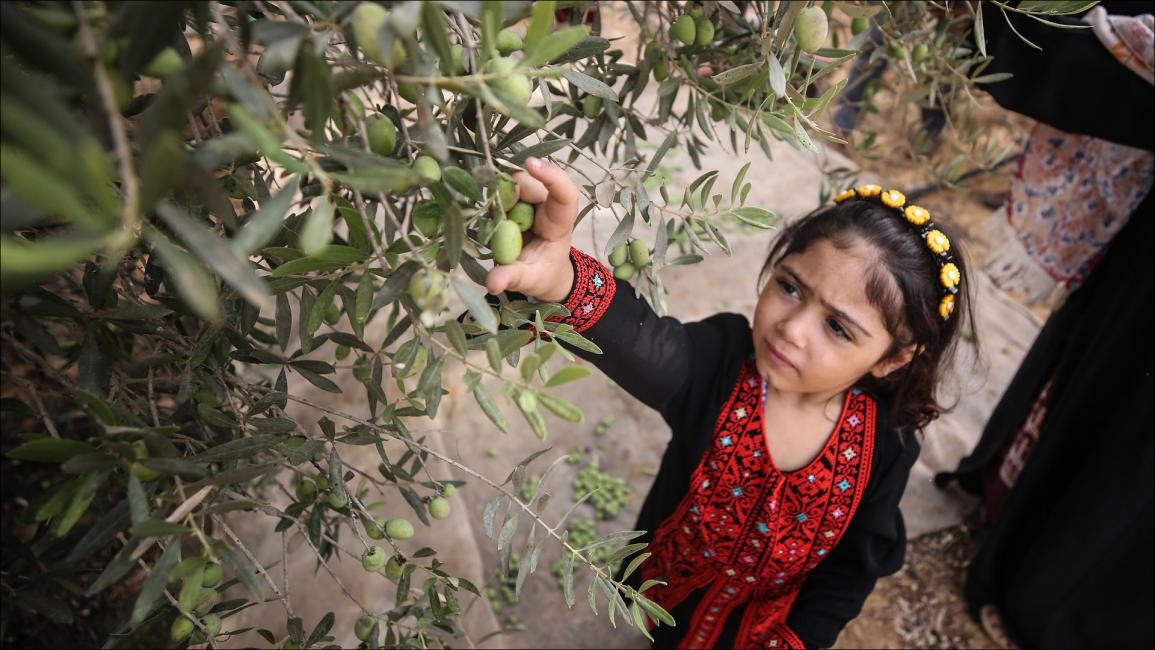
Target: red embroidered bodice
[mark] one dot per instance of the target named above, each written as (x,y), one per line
(748,532)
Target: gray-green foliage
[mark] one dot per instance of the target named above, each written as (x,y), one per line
(173,247)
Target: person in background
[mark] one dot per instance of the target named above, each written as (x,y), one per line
(1065,464)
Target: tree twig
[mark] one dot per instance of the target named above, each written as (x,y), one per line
(260,568)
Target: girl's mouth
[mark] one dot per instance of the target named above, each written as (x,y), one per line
(778,358)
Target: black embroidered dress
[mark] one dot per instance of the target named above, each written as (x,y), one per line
(753,556)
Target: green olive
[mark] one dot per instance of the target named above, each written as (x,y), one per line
(373,558)
(639,254)
(684,30)
(508,41)
(144,473)
(718,111)
(181,628)
(341,353)
(382,134)
(394,568)
(363,628)
(704,29)
(322,482)
(166,62)
(919,53)
(439,508)
(212,576)
(367,20)
(425,287)
(896,50)
(397,54)
(513,83)
(810,29)
(624,271)
(448,490)
(375,529)
(399,528)
(522,215)
(661,69)
(338,499)
(506,191)
(427,217)
(619,255)
(455,66)
(409,92)
(332,314)
(506,242)
(591,106)
(427,168)
(212,624)
(859,25)
(306,490)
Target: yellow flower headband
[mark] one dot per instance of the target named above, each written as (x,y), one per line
(949,276)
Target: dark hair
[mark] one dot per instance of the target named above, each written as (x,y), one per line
(905,289)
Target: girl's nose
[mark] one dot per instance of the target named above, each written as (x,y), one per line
(793,328)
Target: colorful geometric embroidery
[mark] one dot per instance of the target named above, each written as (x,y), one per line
(593,290)
(751,533)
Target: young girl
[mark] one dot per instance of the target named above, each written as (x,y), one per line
(776,506)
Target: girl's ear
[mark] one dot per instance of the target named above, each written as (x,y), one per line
(895,361)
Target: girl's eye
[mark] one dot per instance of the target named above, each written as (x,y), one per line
(838,329)
(787,288)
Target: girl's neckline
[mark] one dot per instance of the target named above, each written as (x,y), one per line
(830,438)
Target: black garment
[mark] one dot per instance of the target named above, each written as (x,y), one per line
(1067,560)
(687,372)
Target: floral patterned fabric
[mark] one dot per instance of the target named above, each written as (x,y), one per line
(1070,195)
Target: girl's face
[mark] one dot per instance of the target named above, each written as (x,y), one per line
(815,332)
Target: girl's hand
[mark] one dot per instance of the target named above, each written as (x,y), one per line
(543,271)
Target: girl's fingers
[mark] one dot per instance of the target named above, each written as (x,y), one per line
(505,278)
(529,188)
(560,205)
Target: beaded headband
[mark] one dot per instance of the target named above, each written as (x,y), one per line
(949,276)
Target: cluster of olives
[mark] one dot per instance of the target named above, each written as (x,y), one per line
(507,239)
(198,595)
(381,132)
(369,18)
(307,491)
(397,528)
(693,28)
(628,258)
(609,492)
(502,74)
(374,560)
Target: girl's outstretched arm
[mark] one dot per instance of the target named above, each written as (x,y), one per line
(656,359)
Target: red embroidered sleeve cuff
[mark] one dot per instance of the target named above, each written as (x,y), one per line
(593,290)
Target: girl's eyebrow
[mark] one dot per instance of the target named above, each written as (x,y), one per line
(841,314)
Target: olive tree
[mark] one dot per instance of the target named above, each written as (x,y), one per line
(203,198)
